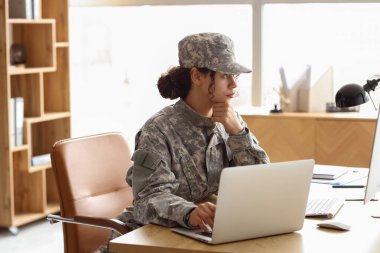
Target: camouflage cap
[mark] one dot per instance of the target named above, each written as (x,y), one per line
(214,51)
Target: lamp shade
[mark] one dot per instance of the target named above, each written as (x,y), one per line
(350,95)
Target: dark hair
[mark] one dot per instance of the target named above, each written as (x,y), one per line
(176,82)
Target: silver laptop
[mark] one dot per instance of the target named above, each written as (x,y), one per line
(257,201)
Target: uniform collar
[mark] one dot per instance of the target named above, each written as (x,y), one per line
(187,112)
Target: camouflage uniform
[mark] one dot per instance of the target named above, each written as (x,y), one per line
(179,154)
(178,159)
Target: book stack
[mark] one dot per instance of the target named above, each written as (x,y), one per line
(41,159)
(28,9)
(16,121)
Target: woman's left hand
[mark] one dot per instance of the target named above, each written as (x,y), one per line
(224,113)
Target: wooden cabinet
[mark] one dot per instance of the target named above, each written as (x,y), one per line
(27,192)
(330,138)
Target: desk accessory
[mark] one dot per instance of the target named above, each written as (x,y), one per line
(349,186)
(352,95)
(334,225)
(355,94)
(324,207)
(18,54)
(276,109)
(331,107)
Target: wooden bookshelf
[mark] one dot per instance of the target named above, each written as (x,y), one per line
(27,192)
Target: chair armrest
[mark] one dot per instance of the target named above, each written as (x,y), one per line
(112,224)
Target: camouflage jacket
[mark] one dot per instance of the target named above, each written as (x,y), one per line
(178,159)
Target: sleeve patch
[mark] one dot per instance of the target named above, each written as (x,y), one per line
(146,159)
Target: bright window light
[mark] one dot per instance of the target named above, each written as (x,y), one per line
(342,36)
(118,53)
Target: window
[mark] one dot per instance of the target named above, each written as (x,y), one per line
(341,36)
(118,53)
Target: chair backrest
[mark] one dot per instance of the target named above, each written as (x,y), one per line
(90,174)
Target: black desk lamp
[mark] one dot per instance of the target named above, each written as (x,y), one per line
(355,94)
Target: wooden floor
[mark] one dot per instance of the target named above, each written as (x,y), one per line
(39,236)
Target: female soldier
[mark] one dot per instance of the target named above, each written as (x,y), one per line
(181,150)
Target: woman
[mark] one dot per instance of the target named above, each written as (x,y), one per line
(181,151)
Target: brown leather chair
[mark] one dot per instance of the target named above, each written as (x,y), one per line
(90,175)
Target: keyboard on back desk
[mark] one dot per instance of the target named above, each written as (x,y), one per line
(324,207)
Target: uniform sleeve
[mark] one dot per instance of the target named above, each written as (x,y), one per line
(245,148)
(154,184)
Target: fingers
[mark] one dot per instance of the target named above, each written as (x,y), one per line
(203,216)
(206,227)
(225,114)
(221,112)
(207,213)
(220,106)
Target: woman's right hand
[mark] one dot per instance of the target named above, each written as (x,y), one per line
(203,216)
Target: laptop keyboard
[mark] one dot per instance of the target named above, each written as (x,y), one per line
(326,207)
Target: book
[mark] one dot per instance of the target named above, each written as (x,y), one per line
(12,130)
(21,9)
(41,159)
(328,172)
(36,9)
(18,120)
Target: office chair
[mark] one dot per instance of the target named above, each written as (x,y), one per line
(90,174)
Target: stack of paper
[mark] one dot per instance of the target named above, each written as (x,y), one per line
(338,175)
(328,172)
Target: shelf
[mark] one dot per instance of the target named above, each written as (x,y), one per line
(61,44)
(19,148)
(24,218)
(56,84)
(23,71)
(39,53)
(29,87)
(47,117)
(52,208)
(33,169)
(58,10)
(29,193)
(26,211)
(21,160)
(30,21)
(43,134)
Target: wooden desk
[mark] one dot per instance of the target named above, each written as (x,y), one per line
(343,139)
(364,237)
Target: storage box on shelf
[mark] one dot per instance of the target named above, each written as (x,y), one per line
(29,192)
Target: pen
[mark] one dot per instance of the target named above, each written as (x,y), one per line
(348,186)
(360,200)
